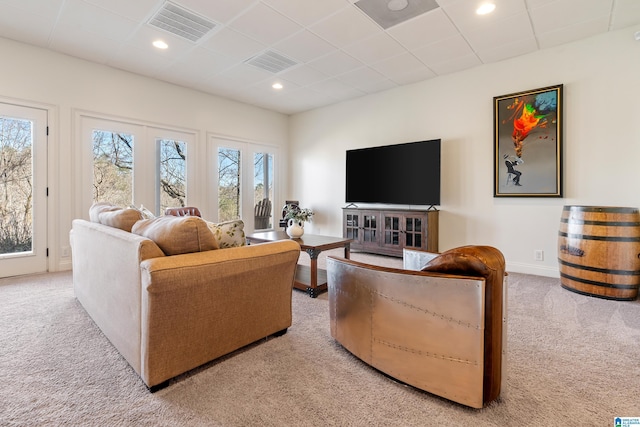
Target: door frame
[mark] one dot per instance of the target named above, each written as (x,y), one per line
(58,257)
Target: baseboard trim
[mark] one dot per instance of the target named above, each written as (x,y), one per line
(546,271)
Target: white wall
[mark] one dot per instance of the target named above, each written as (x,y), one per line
(601,136)
(67,85)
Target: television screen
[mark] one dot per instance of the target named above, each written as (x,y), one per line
(405,174)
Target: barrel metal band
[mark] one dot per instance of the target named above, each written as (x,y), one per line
(600,209)
(600,270)
(601,238)
(598,295)
(596,283)
(604,223)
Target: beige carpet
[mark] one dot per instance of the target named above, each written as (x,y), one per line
(573,361)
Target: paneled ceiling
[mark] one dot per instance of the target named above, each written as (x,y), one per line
(321,51)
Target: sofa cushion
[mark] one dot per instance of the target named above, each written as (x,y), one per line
(177,234)
(229,234)
(483,261)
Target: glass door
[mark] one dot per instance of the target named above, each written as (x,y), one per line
(246,181)
(23,190)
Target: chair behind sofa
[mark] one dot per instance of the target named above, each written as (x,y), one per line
(183,211)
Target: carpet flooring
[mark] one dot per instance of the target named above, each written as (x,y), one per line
(572,361)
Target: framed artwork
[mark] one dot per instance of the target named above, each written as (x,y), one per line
(527,130)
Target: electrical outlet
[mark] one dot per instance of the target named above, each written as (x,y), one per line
(538,255)
(66,251)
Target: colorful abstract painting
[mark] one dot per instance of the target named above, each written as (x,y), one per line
(528,143)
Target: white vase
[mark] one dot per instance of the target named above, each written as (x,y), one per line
(295,228)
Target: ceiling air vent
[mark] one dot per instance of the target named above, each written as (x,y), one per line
(388,13)
(181,22)
(271,61)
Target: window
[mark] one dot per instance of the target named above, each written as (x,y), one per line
(134,164)
(112,167)
(172,177)
(229,203)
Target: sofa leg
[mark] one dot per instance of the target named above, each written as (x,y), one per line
(280,333)
(157,387)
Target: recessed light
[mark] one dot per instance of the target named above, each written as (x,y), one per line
(160,44)
(397,5)
(277,86)
(485,8)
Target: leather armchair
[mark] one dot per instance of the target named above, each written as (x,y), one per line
(440,329)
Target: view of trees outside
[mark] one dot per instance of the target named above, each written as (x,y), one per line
(228,184)
(16,189)
(263,173)
(112,167)
(173,177)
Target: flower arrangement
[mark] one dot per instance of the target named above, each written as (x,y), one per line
(297,213)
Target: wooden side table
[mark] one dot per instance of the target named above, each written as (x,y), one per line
(311,279)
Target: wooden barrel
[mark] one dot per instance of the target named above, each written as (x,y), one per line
(599,251)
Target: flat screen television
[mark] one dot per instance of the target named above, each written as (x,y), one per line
(404,174)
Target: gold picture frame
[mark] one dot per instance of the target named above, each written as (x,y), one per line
(528,143)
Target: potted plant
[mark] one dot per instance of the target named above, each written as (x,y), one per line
(296,217)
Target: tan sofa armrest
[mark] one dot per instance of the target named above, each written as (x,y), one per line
(197,307)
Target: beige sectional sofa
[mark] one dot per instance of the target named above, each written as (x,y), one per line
(169,314)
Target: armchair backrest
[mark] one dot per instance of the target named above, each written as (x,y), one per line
(183,211)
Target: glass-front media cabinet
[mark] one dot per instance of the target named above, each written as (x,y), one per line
(389,231)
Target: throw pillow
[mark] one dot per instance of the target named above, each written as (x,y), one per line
(120,218)
(146,213)
(177,234)
(98,207)
(229,234)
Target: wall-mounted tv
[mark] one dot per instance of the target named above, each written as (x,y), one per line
(404,174)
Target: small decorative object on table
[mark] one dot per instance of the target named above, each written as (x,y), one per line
(296,217)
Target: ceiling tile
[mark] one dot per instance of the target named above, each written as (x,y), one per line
(138,10)
(222,11)
(336,89)
(265,24)
(146,35)
(572,33)
(335,63)
(425,29)
(463,13)
(563,13)
(304,46)
(444,50)
(457,64)
(303,75)
(375,48)
(24,26)
(307,13)
(82,44)
(378,86)
(514,28)
(511,50)
(141,61)
(92,19)
(233,44)
(364,76)
(404,69)
(347,26)
(245,75)
(625,13)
